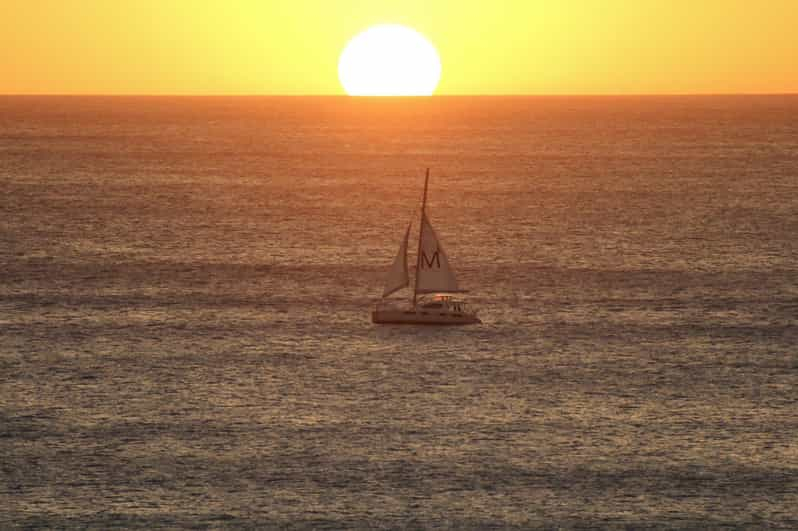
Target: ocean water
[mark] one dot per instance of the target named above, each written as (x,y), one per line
(185,288)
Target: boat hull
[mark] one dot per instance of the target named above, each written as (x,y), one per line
(422,317)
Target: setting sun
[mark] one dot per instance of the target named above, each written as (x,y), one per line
(389,60)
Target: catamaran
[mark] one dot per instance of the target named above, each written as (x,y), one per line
(434,277)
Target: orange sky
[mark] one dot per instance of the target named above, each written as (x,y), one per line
(486,47)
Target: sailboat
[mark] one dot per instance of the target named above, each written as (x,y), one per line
(434,277)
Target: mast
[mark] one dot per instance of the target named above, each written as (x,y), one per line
(420,232)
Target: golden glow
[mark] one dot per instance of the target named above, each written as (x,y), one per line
(389,60)
(502,47)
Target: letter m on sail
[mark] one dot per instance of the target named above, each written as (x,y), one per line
(427,261)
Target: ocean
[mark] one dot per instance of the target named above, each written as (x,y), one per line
(185,296)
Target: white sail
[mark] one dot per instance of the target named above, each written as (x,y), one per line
(433,274)
(397,276)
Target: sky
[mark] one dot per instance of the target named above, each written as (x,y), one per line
(486,47)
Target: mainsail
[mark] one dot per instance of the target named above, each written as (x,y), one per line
(397,276)
(433,273)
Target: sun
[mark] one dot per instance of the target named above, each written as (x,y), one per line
(389,60)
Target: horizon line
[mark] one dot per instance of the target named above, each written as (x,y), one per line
(311,95)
